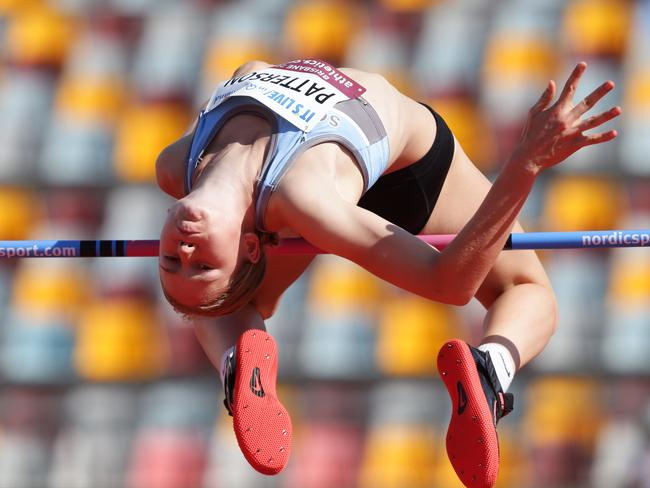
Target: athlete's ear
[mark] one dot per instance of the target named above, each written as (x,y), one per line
(252,246)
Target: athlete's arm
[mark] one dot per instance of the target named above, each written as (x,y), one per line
(455,274)
(169,167)
(218,334)
(171,161)
(393,254)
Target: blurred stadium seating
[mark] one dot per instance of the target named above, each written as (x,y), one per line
(102,385)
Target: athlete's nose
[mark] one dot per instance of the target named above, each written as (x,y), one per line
(185,249)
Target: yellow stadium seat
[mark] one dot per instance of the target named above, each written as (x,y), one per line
(597,27)
(338,285)
(120,340)
(630,279)
(576,203)
(408,6)
(563,409)
(144,131)
(19,211)
(321,29)
(470,127)
(513,58)
(397,456)
(90,99)
(11,7)
(637,92)
(512,467)
(225,55)
(52,289)
(410,333)
(443,472)
(39,36)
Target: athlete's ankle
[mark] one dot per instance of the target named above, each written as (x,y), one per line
(503,362)
(224,365)
(227,375)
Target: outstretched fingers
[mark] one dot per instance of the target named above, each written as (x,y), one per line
(591,99)
(545,98)
(588,140)
(554,132)
(597,120)
(571,85)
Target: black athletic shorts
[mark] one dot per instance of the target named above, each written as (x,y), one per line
(406,197)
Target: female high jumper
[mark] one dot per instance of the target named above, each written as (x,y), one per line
(344,160)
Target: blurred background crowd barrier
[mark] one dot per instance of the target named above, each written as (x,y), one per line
(102,385)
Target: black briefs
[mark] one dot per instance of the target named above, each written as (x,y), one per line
(406,197)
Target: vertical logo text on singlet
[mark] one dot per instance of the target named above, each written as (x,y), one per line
(301,91)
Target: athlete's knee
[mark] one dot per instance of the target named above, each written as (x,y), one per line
(534,298)
(541,298)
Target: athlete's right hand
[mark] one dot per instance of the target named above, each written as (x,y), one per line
(552,133)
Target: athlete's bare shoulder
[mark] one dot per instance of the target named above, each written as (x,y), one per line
(170,166)
(408,124)
(383,96)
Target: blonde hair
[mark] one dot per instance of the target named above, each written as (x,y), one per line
(245,281)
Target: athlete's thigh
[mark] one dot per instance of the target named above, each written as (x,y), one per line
(462,193)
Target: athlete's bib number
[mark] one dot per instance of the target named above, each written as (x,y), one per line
(301,91)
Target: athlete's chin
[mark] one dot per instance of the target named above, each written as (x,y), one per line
(188,209)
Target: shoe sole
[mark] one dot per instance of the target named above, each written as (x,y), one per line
(472,443)
(261,423)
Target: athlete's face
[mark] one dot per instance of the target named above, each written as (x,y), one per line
(198,255)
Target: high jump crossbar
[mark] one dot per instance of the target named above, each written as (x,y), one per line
(149,248)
